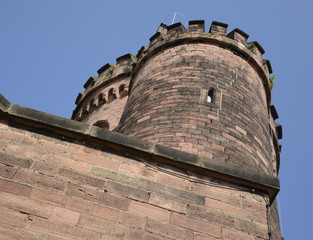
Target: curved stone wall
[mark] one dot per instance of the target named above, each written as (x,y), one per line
(169,103)
(106,95)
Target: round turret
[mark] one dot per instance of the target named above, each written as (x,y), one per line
(204,93)
(105,96)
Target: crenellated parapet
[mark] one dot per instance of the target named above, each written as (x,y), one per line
(111,85)
(276,133)
(236,41)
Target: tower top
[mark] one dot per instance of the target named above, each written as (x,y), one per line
(236,41)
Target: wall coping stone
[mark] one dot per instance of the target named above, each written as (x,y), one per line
(138,148)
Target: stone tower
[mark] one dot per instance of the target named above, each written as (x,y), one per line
(205,93)
(192,150)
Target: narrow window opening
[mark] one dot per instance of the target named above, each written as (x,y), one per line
(122,91)
(86,110)
(102,99)
(111,95)
(210,96)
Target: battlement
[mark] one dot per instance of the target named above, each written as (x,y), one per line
(236,41)
(97,89)
(166,36)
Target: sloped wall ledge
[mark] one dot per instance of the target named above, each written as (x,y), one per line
(133,147)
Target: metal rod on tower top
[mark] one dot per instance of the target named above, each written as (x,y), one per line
(174,17)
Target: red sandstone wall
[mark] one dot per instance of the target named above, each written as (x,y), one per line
(56,189)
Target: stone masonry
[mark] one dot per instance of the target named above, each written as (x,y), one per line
(177,142)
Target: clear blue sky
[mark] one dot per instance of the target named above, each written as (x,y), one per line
(48,49)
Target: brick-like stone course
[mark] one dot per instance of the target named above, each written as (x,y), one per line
(54,199)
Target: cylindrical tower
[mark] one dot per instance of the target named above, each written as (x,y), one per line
(105,96)
(204,93)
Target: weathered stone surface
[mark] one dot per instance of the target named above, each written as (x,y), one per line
(196,156)
(4,103)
